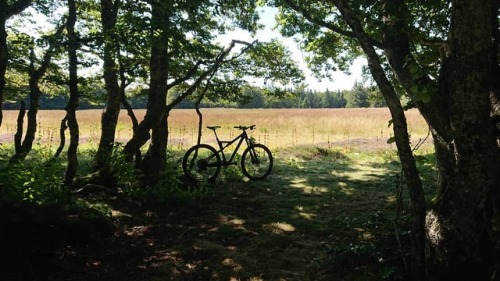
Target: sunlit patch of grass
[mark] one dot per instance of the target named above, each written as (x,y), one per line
(232,264)
(361,172)
(279,227)
(303,214)
(347,190)
(302,184)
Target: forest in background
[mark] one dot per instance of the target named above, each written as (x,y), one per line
(359,96)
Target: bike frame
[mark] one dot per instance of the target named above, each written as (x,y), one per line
(224,144)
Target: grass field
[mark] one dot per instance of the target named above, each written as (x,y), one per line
(329,210)
(360,127)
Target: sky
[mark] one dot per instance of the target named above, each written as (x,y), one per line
(340,80)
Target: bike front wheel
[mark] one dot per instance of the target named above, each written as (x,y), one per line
(201,163)
(256,162)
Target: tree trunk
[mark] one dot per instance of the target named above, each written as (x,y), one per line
(34,97)
(73,97)
(458,115)
(62,136)
(7,11)
(110,115)
(155,158)
(26,145)
(410,171)
(460,223)
(18,136)
(3,57)
(131,114)
(156,115)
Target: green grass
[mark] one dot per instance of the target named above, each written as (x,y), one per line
(323,214)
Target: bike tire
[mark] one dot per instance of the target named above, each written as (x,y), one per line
(201,163)
(256,162)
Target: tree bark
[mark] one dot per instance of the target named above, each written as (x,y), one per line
(458,115)
(110,115)
(62,136)
(156,115)
(18,136)
(72,105)
(460,223)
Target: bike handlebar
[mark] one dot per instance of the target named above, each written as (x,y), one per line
(236,127)
(245,127)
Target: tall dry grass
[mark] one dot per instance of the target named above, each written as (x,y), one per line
(275,127)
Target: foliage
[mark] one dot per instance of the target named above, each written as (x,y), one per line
(357,98)
(37,181)
(27,49)
(124,171)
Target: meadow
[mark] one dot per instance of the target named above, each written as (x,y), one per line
(333,208)
(364,128)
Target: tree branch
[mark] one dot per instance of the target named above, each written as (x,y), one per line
(186,77)
(218,61)
(308,16)
(17,7)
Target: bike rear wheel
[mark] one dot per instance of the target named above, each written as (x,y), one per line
(256,162)
(201,163)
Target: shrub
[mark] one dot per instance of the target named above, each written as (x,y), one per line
(39,182)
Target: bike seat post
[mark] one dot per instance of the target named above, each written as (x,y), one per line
(214,128)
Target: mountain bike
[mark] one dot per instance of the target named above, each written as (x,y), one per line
(203,162)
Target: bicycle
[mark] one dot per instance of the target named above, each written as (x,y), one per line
(203,162)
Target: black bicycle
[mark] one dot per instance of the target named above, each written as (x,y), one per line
(202,162)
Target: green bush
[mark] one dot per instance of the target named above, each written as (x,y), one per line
(39,182)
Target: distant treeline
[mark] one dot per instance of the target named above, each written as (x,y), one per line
(358,96)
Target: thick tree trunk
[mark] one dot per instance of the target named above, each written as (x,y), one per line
(156,115)
(110,115)
(457,227)
(155,158)
(460,223)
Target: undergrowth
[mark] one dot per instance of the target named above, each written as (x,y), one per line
(38,180)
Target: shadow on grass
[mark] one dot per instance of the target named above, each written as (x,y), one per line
(321,215)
